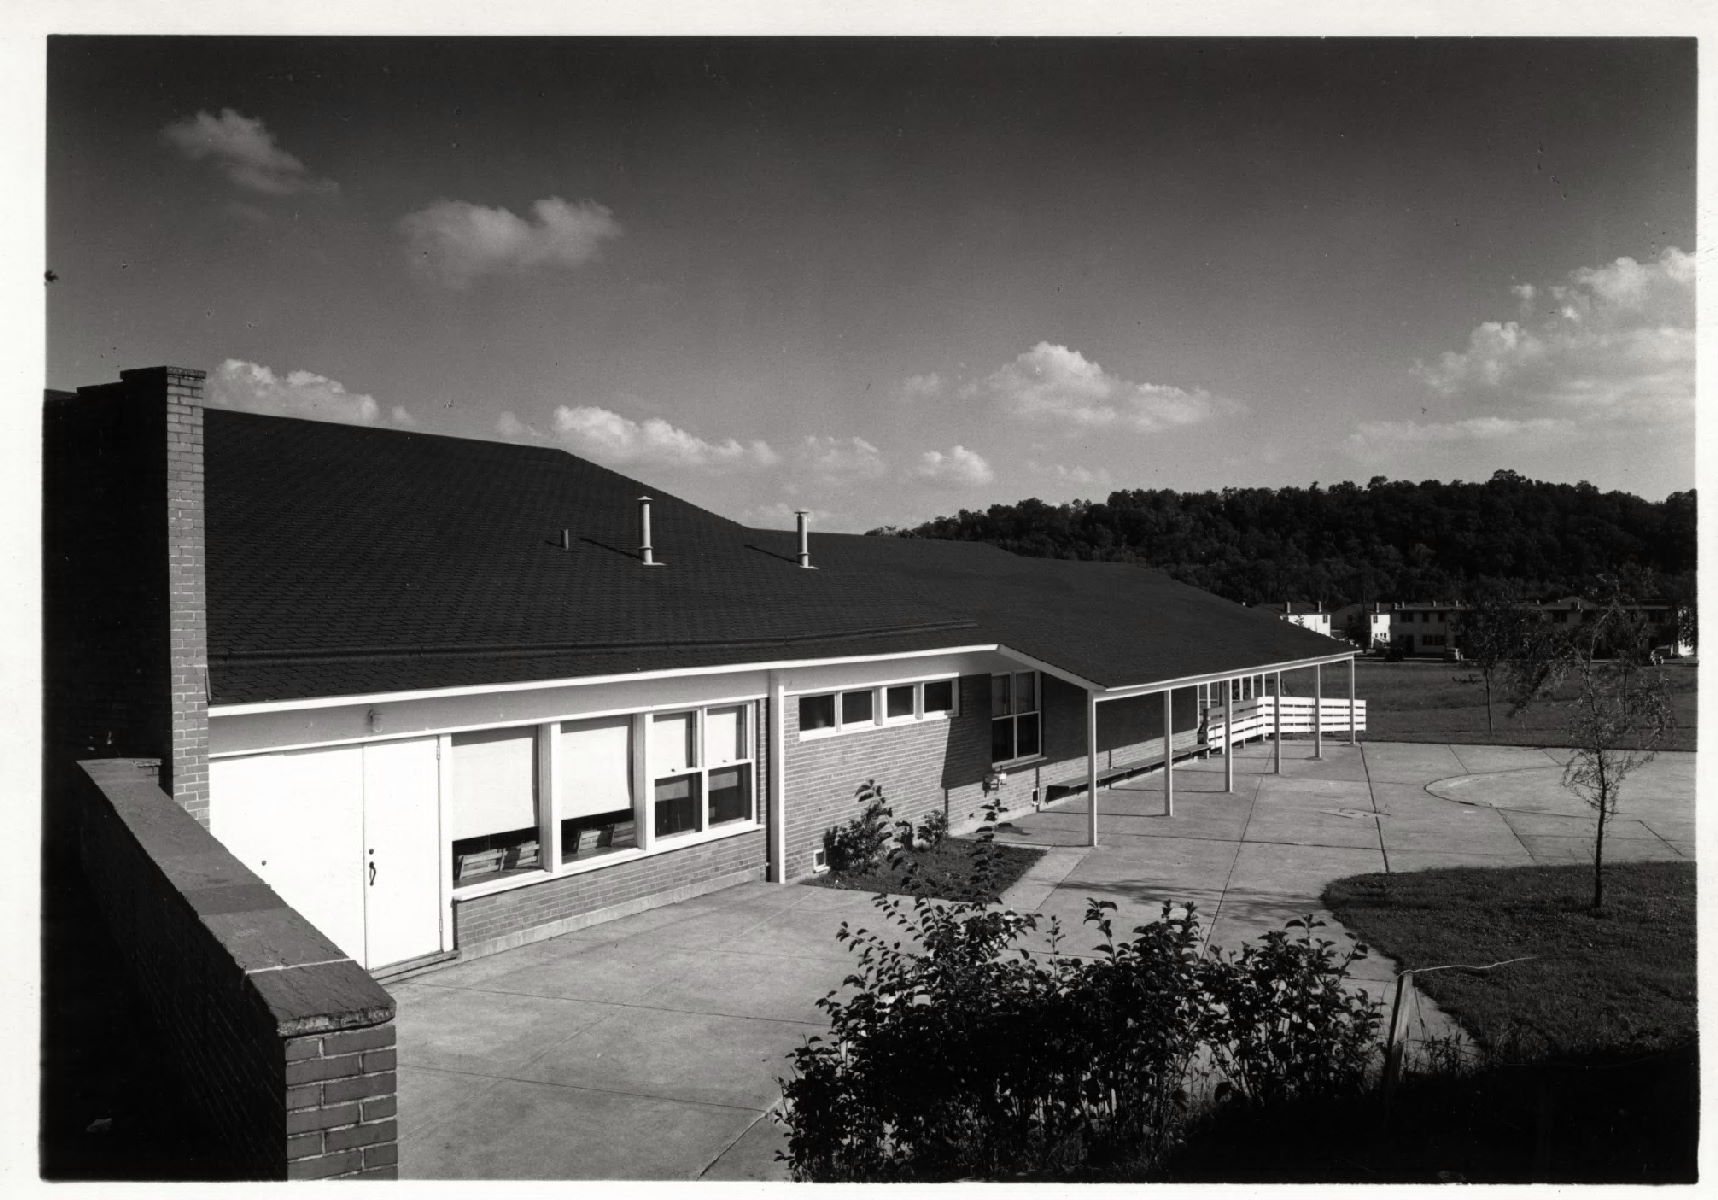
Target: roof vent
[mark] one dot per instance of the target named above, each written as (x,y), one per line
(804,537)
(644,551)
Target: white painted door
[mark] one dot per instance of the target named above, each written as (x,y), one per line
(402,851)
(297,820)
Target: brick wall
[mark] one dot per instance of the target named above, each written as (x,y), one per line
(283,1043)
(942,765)
(123,595)
(484,924)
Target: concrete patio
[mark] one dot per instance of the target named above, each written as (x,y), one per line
(650,1047)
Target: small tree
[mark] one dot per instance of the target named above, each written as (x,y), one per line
(1619,716)
(1495,630)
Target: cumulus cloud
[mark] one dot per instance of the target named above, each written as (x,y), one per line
(255,388)
(839,462)
(245,152)
(606,436)
(1076,476)
(511,428)
(455,243)
(921,387)
(1053,385)
(960,467)
(1617,339)
(782,515)
(1394,435)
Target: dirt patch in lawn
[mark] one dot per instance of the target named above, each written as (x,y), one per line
(948,871)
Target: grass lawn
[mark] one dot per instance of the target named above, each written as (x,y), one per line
(1444,702)
(947,872)
(1593,1074)
(1620,979)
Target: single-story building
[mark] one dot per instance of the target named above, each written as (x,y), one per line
(447,695)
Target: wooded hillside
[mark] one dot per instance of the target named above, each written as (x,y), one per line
(1387,540)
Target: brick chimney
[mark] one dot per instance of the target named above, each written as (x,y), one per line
(126,658)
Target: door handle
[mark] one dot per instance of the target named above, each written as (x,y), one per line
(372,874)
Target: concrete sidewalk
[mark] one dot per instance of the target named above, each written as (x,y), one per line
(650,1047)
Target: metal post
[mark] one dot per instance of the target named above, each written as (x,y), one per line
(1277,727)
(1092,768)
(1318,711)
(1168,754)
(1353,736)
(1228,735)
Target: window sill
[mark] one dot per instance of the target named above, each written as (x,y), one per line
(818,735)
(664,846)
(1014,764)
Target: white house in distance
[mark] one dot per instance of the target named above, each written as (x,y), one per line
(447,696)
(1307,616)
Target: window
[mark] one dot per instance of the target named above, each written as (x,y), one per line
(595,788)
(899,703)
(701,769)
(856,707)
(816,712)
(1015,729)
(494,803)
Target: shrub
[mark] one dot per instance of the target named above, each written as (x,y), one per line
(1279,1022)
(933,829)
(857,845)
(961,1055)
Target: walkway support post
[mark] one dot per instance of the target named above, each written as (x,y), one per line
(1318,711)
(1092,768)
(778,779)
(1228,735)
(1277,727)
(1353,734)
(1169,754)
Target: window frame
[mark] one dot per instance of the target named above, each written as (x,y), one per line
(1014,715)
(880,718)
(547,794)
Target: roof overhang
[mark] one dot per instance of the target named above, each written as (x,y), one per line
(533,685)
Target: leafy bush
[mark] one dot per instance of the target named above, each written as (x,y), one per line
(960,1054)
(1279,1022)
(933,829)
(857,845)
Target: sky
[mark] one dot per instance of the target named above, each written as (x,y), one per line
(888,279)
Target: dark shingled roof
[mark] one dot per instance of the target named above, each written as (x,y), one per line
(343,560)
(1113,624)
(346,560)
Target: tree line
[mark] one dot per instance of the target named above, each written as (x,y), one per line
(1347,543)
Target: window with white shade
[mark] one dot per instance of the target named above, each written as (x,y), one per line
(494,804)
(594,788)
(673,770)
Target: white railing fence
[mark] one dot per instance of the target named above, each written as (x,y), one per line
(1256,718)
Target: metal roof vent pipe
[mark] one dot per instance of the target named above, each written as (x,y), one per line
(645,553)
(804,538)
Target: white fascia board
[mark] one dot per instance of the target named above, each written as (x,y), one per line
(488,689)
(1061,673)
(1163,685)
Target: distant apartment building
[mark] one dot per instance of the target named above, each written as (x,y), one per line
(1433,628)
(1307,616)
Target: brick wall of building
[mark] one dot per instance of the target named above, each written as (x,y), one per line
(500,921)
(123,593)
(942,764)
(283,1043)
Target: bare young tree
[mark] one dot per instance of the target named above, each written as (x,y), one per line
(1494,631)
(1617,715)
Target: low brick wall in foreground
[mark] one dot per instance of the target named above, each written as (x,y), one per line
(285,1045)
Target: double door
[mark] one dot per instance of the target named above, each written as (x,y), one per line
(349,836)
